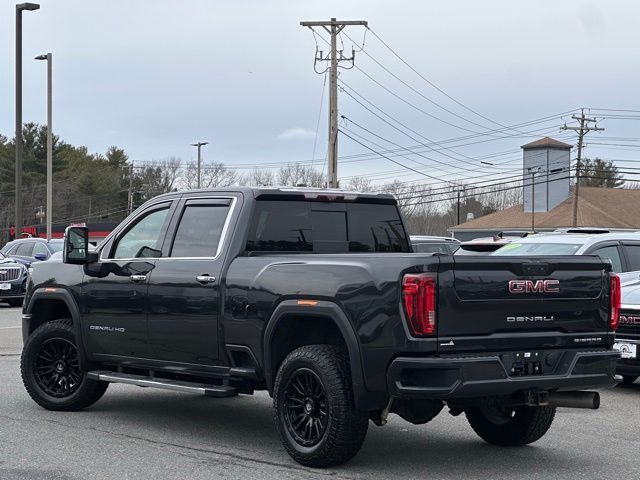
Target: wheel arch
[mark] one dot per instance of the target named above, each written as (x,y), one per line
(333,322)
(48,304)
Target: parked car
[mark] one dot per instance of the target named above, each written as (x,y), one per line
(482,246)
(622,248)
(628,334)
(316,297)
(432,244)
(30,250)
(13,280)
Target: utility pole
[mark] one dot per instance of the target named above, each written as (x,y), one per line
(582,130)
(458,209)
(199,145)
(49,58)
(18,174)
(335,56)
(130,196)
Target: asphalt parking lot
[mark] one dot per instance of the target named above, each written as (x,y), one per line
(151,434)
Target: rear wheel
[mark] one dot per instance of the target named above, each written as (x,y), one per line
(511,426)
(313,407)
(53,373)
(628,379)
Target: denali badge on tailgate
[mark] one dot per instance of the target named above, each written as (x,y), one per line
(534,286)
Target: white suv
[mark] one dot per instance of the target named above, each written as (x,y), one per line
(622,248)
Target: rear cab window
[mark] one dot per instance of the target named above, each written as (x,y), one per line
(325,227)
(537,249)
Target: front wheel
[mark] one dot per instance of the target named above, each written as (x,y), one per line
(510,426)
(314,409)
(53,373)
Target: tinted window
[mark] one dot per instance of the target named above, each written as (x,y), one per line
(376,228)
(25,249)
(281,227)
(143,239)
(633,254)
(612,254)
(40,248)
(332,227)
(199,231)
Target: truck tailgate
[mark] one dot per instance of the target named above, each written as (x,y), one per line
(542,302)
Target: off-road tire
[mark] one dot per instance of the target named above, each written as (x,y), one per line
(15,302)
(87,391)
(526,425)
(346,427)
(628,380)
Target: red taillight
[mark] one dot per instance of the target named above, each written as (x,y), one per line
(419,298)
(615,300)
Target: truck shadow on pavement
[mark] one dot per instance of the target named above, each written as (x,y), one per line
(244,425)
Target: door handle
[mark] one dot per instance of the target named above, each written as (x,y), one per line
(138,278)
(205,279)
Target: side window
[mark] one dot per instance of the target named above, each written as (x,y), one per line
(40,248)
(633,254)
(199,230)
(24,249)
(610,252)
(143,239)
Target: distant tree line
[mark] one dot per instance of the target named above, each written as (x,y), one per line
(96,187)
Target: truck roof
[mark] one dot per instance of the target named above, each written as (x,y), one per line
(302,192)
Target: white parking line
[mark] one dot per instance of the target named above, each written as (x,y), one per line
(8,328)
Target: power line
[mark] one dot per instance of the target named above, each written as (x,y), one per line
(433,84)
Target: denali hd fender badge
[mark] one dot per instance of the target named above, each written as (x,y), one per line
(534,286)
(102,328)
(536,318)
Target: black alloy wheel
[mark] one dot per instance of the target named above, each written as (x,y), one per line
(53,370)
(306,407)
(57,368)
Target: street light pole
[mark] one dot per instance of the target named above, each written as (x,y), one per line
(18,178)
(199,145)
(48,57)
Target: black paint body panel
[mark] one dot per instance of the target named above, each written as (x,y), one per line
(172,321)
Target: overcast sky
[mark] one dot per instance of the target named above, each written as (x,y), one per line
(154,76)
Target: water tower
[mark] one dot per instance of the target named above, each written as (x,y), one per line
(548,161)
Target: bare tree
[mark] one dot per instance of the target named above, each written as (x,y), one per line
(155,179)
(360,184)
(258,178)
(297,174)
(212,174)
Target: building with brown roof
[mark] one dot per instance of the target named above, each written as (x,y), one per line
(610,208)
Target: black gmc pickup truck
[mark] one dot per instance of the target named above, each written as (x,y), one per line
(315,296)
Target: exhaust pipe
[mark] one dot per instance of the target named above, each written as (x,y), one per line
(590,400)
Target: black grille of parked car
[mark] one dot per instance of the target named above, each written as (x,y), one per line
(9,273)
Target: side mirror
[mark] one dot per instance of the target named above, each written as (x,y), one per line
(40,256)
(76,245)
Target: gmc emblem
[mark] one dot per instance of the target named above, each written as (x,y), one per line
(534,286)
(629,320)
